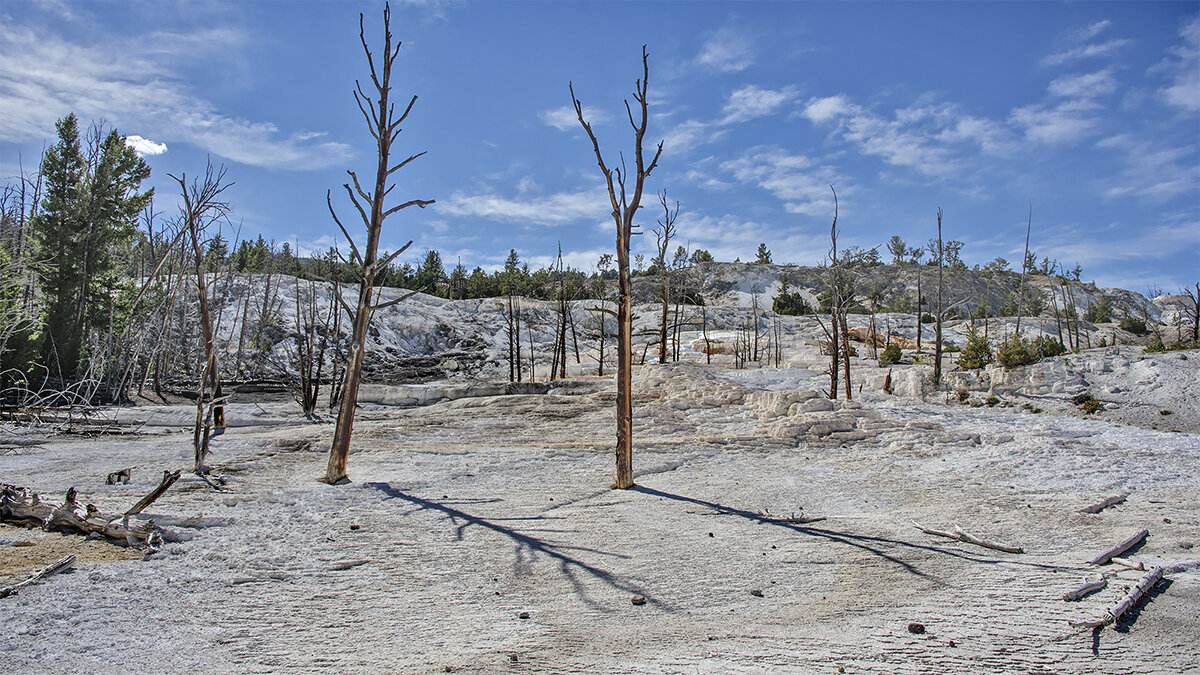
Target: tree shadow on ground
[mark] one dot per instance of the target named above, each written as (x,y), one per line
(528,546)
(870,544)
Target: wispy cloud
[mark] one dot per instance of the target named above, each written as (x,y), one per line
(565,118)
(1184,68)
(750,102)
(728,50)
(800,182)
(545,210)
(1085,52)
(132,83)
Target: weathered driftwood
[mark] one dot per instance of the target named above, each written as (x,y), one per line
(1120,548)
(21,506)
(959,535)
(1104,504)
(1130,564)
(1139,589)
(61,565)
(168,480)
(1086,589)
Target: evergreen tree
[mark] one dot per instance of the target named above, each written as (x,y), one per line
(88,215)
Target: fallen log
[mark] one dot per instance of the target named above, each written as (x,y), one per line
(959,535)
(21,506)
(1086,589)
(1143,585)
(60,565)
(168,480)
(1120,548)
(1104,504)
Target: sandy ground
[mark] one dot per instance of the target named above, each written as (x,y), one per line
(480,535)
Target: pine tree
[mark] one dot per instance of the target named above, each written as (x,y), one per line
(89,213)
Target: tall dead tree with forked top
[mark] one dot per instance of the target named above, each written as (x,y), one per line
(624,208)
(384,125)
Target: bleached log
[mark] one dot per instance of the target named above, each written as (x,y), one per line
(1130,564)
(1086,589)
(960,535)
(60,565)
(21,506)
(1104,504)
(1143,585)
(168,480)
(1120,548)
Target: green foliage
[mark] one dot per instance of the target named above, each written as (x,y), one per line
(977,353)
(890,355)
(763,256)
(1020,351)
(1135,326)
(791,304)
(1087,403)
(1100,311)
(88,214)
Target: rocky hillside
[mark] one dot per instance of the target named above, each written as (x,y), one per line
(739,284)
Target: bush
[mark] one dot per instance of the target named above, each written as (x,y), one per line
(1017,351)
(1135,326)
(890,355)
(977,353)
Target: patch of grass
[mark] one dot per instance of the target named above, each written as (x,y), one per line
(1087,403)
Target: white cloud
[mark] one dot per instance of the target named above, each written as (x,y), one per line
(1066,122)
(565,118)
(798,181)
(547,210)
(1089,85)
(145,146)
(750,102)
(132,84)
(727,51)
(1184,90)
(825,109)
(1085,52)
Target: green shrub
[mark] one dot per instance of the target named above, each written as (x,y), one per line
(1135,326)
(977,353)
(890,355)
(1017,351)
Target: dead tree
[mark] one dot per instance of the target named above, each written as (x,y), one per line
(1024,269)
(624,208)
(663,233)
(384,125)
(937,334)
(839,346)
(202,207)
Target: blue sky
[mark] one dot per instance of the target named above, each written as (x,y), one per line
(1091,111)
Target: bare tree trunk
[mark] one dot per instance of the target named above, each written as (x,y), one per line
(937,338)
(1024,269)
(384,127)
(623,211)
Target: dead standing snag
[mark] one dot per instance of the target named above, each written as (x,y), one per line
(624,207)
(384,126)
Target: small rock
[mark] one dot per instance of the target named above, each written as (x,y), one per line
(756,593)
(916,628)
(522,615)
(638,599)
